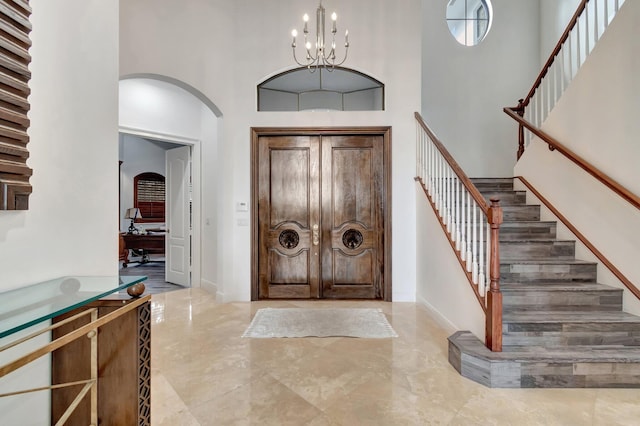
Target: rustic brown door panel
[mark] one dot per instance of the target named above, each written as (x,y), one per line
(352,216)
(288,207)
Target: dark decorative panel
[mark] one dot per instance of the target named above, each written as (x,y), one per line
(289,239)
(144,373)
(352,238)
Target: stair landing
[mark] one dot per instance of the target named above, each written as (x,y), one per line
(598,366)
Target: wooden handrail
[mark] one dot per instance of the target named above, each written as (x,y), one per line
(615,271)
(605,179)
(555,51)
(479,199)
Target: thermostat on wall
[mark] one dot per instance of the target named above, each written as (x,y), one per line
(242,207)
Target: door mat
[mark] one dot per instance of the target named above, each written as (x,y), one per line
(300,322)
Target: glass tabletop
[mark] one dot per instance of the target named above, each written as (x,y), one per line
(30,305)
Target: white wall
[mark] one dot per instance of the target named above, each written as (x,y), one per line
(72,222)
(71,225)
(164,108)
(224,49)
(165,111)
(597,117)
(211,179)
(465,88)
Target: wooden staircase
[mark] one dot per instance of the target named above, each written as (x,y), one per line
(560,327)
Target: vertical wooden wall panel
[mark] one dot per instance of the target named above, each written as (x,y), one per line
(14,106)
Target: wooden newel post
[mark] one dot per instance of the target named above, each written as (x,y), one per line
(520,111)
(493,326)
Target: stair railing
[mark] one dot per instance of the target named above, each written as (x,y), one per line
(471,224)
(585,28)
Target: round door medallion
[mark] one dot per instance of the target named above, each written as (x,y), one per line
(289,239)
(352,238)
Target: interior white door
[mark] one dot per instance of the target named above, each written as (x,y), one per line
(178,216)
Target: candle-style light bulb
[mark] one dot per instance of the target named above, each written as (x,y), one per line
(305,18)
(334,17)
(308,45)
(294,33)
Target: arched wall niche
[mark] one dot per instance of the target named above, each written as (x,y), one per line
(321,89)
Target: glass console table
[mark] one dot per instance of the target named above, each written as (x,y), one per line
(99,345)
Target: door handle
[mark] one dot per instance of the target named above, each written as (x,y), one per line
(316,235)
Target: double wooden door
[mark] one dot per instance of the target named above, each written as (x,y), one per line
(319,227)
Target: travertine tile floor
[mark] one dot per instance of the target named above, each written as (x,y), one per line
(204,373)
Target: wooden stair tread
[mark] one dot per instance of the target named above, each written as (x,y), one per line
(569,317)
(556,286)
(547,261)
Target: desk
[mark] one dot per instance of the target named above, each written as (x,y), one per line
(113,364)
(147,243)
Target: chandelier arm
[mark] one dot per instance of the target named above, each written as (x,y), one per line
(312,58)
(343,59)
(295,58)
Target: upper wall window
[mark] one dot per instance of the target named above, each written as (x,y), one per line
(469,20)
(342,89)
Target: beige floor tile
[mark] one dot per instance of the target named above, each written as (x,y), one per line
(264,401)
(205,373)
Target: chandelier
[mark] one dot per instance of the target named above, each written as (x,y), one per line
(319,56)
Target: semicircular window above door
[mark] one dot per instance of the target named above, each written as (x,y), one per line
(341,89)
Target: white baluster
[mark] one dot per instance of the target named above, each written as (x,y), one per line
(464,234)
(474,242)
(458,201)
(427,170)
(449,205)
(481,250)
(579,45)
(430,166)
(469,240)
(440,168)
(595,22)
(423,157)
(417,150)
(570,55)
(562,55)
(445,194)
(586,31)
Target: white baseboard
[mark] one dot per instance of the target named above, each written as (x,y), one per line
(440,319)
(209,286)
